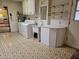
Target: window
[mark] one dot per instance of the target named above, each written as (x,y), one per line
(43,12)
(77,11)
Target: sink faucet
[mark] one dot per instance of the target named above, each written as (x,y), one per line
(36,23)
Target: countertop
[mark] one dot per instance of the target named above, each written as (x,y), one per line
(50,26)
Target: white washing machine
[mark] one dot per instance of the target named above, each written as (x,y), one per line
(26,30)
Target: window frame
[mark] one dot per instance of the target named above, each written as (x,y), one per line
(76,10)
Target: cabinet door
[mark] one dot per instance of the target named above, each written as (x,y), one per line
(25,7)
(31,7)
(43,2)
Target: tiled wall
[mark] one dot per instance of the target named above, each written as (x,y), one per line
(59,9)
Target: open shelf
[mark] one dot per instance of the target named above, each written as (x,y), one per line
(58,13)
(59,5)
(59,10)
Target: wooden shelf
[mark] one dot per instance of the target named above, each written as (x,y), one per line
(65,12)
(61,5)
(58,10)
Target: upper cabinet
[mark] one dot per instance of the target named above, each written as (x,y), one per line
(28,7)
(24,5)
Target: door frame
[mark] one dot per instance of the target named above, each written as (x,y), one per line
(8,17)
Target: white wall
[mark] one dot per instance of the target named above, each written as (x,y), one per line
(73,36)
(13,7)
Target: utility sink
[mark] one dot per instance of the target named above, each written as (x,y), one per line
(53,35)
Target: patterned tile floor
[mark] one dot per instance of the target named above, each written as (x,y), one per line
(15,46)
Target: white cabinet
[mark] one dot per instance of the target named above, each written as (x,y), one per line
(31,7)
(43,2)
(28,7)
(52,37)
(25,6)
